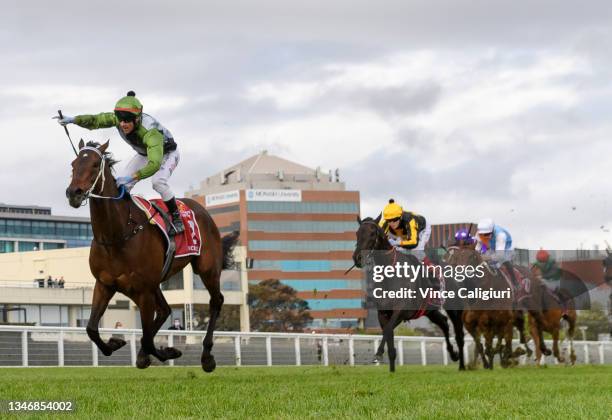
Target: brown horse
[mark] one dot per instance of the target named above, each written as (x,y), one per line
(127,256)
(482,319)
(555,307)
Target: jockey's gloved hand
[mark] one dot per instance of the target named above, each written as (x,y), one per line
(395,241)
(124,180)
(64,121)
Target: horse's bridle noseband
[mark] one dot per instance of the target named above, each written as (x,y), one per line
(89,193)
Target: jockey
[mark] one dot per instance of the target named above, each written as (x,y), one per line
(547,265)
(463,239)
(404,229)
(156,152)
(495,244)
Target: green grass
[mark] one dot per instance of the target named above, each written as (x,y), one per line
(339,392)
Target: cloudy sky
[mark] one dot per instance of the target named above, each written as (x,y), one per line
(458,109)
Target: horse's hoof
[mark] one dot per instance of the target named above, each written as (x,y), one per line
(208,363)
(143,361)
(116,343)
(547,352)
(172,353)
(454,356)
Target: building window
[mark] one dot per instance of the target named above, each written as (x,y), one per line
(7,246)
(301,207)
(302,226)
(28,246)
(328,304)
(302,265)
(174,283)
(322,284)
(308,246)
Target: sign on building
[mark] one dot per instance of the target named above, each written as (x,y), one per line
(222,198)
(274,195)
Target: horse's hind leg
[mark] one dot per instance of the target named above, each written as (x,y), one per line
(213,285)
(441,321)
(101,296)
(519,323)
(383,320)
(456,317)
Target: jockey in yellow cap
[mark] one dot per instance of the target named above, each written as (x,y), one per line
(404,229)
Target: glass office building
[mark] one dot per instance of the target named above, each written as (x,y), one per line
(31,228)
(298,225)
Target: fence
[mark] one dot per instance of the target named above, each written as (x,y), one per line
(55,346)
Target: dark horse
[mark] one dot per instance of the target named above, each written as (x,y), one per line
(370,237)
(127,256)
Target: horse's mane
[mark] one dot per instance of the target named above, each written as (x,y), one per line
(107,155)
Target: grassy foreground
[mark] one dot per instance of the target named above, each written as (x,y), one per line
(298,392)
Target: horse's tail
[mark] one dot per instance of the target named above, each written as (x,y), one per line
(228,242)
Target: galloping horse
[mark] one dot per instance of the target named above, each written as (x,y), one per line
(481,318)
(556,305)
(370,237)
(127,256)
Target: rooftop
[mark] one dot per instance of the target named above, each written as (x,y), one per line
(266,171)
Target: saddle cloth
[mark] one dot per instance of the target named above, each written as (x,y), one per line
(521,290)
(188,242)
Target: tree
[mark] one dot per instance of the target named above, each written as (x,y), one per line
(274,306)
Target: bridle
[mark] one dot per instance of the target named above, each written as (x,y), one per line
(122,191)
(89,193)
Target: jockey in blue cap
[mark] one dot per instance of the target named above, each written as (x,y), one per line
(495,244)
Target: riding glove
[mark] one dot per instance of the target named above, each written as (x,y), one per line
(64,121)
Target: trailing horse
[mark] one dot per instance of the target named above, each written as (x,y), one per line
(127,255)
(482,319)
(371,238)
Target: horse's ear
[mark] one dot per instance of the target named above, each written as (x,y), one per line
(104,147)
(358,220)
(81,144)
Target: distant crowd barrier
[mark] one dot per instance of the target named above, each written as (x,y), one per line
(64,346)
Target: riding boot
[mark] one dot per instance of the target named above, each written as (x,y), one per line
(177,222)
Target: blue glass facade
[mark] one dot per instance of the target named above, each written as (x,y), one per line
(302,207)
(327,304)
(303,246)
(303,226)
(23,234)
(302,265)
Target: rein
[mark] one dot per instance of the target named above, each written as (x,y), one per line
(122,192)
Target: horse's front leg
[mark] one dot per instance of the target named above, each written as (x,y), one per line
(146,304)
(101,296)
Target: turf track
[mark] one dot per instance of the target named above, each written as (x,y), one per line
(583,392)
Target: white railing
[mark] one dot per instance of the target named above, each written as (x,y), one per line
(64,346)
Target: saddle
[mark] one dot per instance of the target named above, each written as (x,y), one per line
(187,243)
(522,287)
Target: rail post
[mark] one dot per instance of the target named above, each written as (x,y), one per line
(171,344)
(133,349)
(60,348)
(445,355)
(423,353)
(24,348)
(352,351)
(237,350)
(298,355)
(269,350)
(94,354)
(400,350)
(325,352)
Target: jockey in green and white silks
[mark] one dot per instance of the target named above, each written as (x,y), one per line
(156,152)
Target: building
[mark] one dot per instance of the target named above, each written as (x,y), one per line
(30,228)
(26,297)
(298,225)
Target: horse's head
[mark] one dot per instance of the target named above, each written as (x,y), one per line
(463,256)
(370,237)
(88,172)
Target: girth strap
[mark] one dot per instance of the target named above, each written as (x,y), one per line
(171,251)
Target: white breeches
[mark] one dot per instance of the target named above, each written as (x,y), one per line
(160,178)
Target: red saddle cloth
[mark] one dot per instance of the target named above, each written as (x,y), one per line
(521,290)
(188,242)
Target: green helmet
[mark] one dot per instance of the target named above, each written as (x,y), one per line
(128,108)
